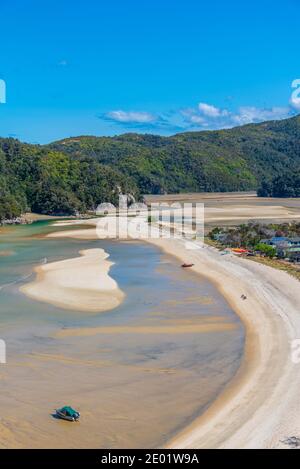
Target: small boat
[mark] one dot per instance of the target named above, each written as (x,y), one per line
(67,413)
(185,265)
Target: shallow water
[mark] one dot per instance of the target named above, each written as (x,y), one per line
(140,378)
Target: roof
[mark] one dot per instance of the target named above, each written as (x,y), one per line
(69,410)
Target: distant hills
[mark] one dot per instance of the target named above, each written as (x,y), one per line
(80,172)
(224,160)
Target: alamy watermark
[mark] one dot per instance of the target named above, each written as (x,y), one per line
(295,351)
(2,92)
(295,96)
(154,221)
(2,351)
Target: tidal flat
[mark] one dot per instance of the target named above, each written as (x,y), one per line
(147,369)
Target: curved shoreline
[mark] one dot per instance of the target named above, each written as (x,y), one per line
(82,283)
(251,412)
(258,409)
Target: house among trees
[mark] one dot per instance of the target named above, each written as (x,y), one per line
(294,254)
(272,240)
(286,248)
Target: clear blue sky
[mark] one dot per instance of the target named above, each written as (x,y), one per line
(108,67)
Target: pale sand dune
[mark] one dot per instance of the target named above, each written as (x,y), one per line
(75,234)
(261,406)
(245,212)
(81,284)
(67,223)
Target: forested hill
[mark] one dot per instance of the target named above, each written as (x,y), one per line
(44,181)
(224,160)
(78,173)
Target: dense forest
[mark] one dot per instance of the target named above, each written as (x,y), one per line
(286,185)
(223,160)
(44,181)
(76,174)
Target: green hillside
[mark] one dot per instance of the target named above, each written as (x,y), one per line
(44,181)
(224,160)
(78,173)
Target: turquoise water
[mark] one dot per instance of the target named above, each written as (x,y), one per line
(134,389)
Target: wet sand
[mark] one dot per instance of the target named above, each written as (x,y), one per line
(234,208)
(126,383)
(257,409)
(168,329)
(81,284)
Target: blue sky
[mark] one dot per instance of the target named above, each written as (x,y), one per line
(108,67)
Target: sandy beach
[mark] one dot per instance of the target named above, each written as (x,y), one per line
(259,408)
(81,284)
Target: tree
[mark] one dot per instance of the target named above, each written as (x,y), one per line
(269,251)
(285,185)
(54,200)
(265,189)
